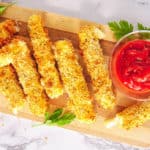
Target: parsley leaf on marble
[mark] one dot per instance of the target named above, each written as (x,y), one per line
(120,28)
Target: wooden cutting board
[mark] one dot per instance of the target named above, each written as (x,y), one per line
(60,27)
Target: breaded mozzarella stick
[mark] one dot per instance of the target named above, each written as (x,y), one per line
(44,57)
(18,54)
(10,88)
(131,117)
(7,29)
(94,59)
(74,82)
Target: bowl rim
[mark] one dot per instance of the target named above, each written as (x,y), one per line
(131,33)
(117,85)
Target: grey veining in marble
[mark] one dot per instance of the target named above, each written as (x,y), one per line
(18,134)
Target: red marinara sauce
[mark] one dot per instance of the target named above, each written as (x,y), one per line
(133,65)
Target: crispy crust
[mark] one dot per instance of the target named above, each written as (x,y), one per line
(94,59)
(133,116)
(7,29)
(74,82)
(18,54)
(10,88)
(44,57)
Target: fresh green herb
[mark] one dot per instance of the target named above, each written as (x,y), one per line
(56,114)
(4,7)
(47,116)
(65,119)
(123,27)
(59,118)
(120,28)
(142,27)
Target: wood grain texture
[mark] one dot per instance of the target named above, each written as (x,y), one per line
(60,27)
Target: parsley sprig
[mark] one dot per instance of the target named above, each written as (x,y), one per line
(4,7)
(142,27)
(120,28)
(58,117)
(123,27)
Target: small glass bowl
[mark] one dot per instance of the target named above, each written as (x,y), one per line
(143,95)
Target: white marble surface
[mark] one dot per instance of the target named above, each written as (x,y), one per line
(18,134)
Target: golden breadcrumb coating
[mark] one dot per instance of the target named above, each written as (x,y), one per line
(74,82)
(7,29)
(94,59)
(18,54)
(44,57)
(10,88)
(131,117)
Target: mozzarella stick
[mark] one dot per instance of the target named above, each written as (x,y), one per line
(44,57)
(11,89)
(94,60)
(7,29)
(131,117)
(18,54)
(74,82)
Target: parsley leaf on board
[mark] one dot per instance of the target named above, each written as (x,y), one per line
(65,119)
(56,114)
(120,28)
(4,7)
(58,117)
(47,116)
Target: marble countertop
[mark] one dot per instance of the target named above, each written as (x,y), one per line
(19,134)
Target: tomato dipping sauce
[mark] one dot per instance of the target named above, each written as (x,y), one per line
(130,67)
(133,65)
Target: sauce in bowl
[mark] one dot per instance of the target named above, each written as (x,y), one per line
(130,68)
(133,65)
